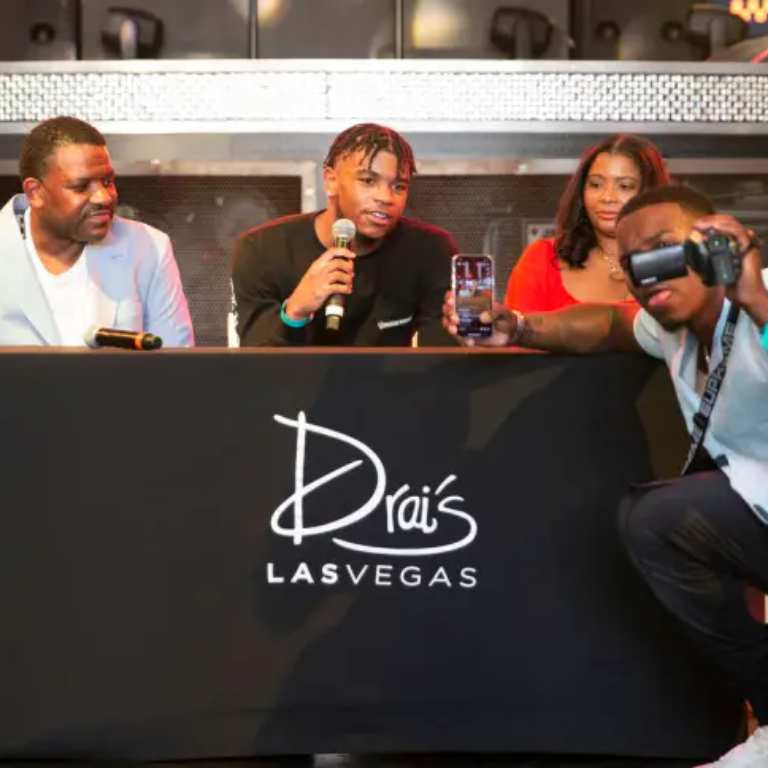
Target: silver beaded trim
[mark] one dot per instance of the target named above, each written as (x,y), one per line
(323,95)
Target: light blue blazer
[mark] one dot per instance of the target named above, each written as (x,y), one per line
(133,280)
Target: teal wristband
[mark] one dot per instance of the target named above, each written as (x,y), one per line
(289,321)
(764,336)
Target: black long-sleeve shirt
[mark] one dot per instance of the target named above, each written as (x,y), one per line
(398,288)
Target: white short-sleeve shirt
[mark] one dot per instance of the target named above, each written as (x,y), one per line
(737,436)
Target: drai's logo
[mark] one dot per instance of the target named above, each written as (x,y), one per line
(405,515)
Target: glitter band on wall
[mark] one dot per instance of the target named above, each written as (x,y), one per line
(300,94)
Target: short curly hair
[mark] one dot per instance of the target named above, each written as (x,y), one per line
(689,199)
(45,138)
(372,139)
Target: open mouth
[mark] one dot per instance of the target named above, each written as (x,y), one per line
(379,217)
(658,297)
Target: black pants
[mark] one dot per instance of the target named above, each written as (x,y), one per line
(698,545)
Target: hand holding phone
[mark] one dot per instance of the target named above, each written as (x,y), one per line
(472,281)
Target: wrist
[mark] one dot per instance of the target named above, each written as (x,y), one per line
(291,318)
(295,311)
(758,310)
(517,334)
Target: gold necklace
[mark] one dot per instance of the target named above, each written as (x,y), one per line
(614,268)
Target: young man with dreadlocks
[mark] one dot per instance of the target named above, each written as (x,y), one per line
(392,276)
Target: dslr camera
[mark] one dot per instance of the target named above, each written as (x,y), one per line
(716,259)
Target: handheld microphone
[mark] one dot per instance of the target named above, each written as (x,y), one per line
(115,337)
(343,232)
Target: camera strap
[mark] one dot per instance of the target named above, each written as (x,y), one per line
(711,389)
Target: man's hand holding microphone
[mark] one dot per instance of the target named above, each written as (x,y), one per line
(329,278)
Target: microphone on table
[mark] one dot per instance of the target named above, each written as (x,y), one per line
(115,337)
(343,232)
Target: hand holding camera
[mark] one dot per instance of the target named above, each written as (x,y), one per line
(717,259)
(721,251)
(748,290)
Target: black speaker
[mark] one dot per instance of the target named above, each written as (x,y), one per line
(39,29)
(654,30)
(165,29)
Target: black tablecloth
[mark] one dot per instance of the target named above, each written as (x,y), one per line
(459,585)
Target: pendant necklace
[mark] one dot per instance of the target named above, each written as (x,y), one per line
(614,268)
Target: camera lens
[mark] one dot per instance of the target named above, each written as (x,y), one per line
(650,267)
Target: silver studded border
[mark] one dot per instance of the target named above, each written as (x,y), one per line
(548,96)
(317,94)
(162,96)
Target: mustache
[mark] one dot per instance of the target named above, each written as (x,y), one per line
(95,209)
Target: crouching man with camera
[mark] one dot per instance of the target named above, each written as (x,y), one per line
(700,539)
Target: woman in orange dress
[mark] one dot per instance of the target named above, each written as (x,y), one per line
(581,262)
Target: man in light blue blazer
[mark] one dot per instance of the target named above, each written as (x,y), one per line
(67,263)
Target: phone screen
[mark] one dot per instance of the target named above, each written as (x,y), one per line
(472,281)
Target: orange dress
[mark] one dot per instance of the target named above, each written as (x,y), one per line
(536,282)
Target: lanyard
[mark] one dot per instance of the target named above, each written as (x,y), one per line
(711,389)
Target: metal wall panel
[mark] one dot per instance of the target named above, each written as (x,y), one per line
(461,29)
(325,29)
(189,29)
(39,29)
(649,31)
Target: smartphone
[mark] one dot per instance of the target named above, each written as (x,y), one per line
(472,280)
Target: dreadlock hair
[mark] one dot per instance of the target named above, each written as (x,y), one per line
(690,200)
(372,139)
(45,138)
(574,235)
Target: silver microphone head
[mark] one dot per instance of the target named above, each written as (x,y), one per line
(89,337)
(343,230)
